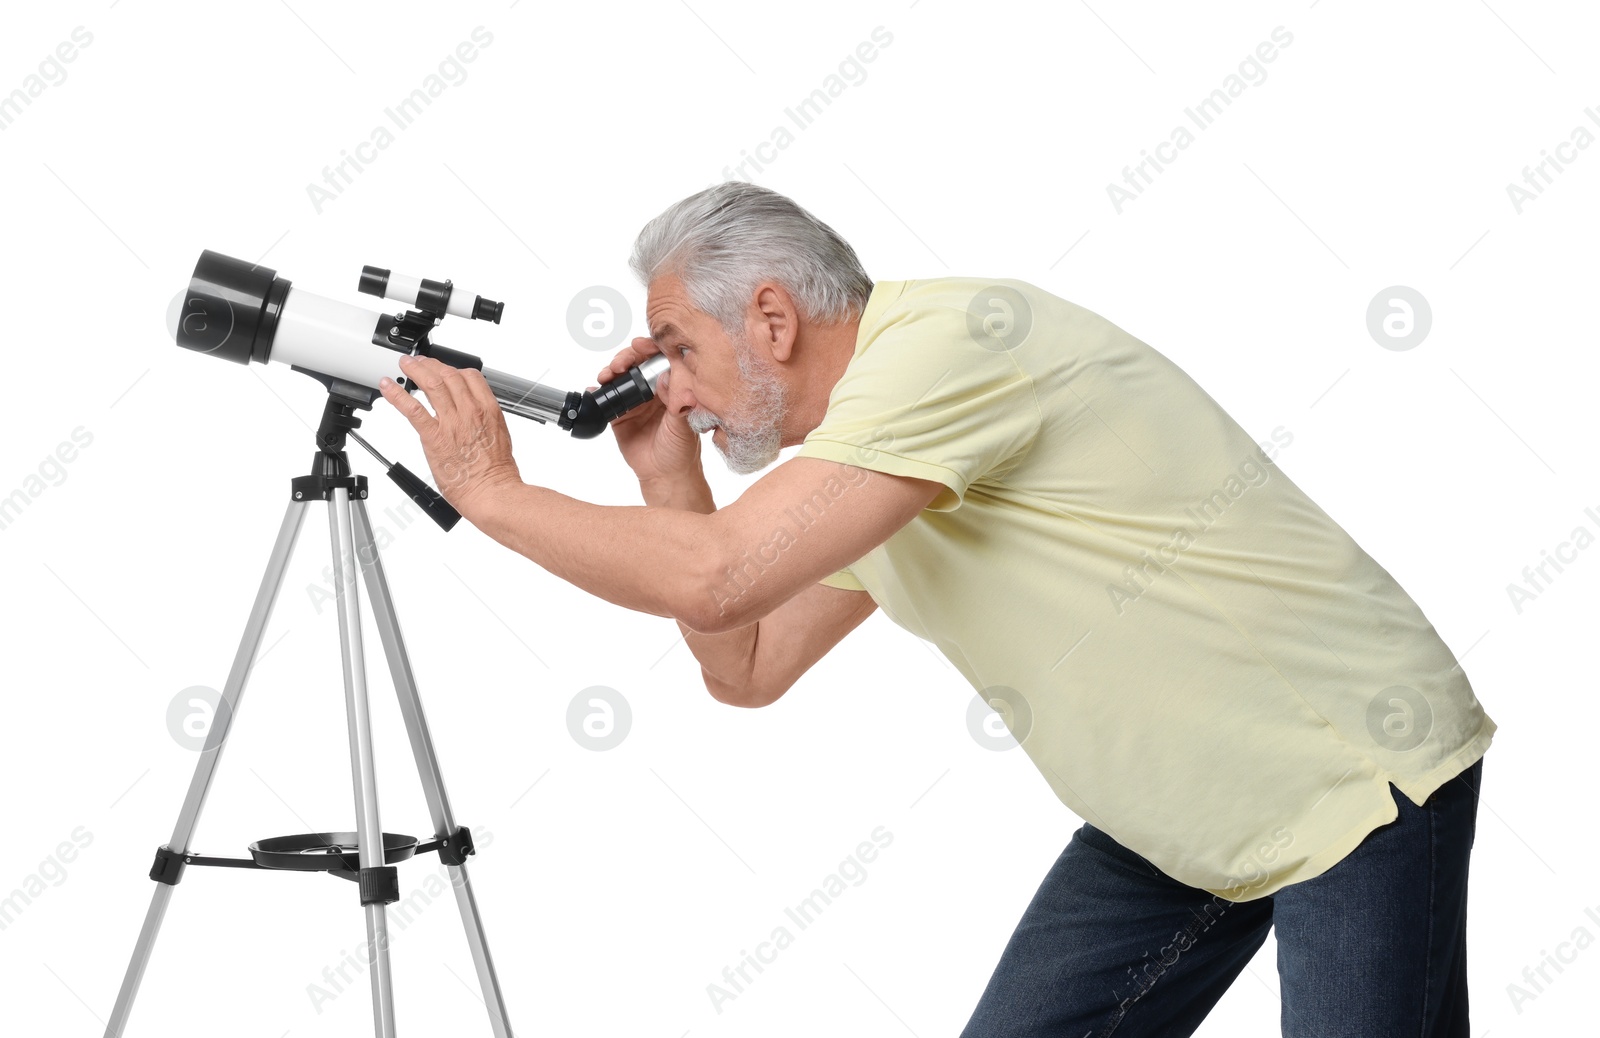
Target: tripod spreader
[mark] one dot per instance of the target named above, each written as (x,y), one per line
(333,853)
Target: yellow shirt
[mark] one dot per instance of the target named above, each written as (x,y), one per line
(1197,658)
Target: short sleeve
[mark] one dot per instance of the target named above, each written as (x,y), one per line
(844,580)
(921,398)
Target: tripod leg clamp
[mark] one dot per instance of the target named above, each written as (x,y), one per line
(168,867)
(380,885)
(453,849)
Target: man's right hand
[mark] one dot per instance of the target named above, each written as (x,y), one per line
(658,445)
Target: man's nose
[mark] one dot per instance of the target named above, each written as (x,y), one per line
(677,396)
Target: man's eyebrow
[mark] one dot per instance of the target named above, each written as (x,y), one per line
(664,331)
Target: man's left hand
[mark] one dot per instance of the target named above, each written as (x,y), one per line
(466,439)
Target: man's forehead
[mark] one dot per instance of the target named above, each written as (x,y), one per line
(664,304)
(662,317)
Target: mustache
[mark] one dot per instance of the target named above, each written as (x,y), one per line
(703,421)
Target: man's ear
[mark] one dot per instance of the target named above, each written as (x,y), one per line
(777,320)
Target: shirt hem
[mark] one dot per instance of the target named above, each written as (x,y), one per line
(1326,858)
(1418,790)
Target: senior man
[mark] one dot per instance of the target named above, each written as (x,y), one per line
(1257,724)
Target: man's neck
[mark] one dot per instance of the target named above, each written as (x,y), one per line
(824,352)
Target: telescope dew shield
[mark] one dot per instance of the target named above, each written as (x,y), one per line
(231,309)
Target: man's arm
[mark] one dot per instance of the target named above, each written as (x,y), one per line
(715,573)
(753,665)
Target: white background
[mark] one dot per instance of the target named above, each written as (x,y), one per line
(617,885)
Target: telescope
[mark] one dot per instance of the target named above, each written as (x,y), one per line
(245,312)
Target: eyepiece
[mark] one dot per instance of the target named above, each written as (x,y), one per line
(586,414)
(487,310)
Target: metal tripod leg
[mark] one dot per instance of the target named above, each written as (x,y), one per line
(369,834)
(205,768)
(427,763)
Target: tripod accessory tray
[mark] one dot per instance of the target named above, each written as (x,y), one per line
(325,852)
(339,854)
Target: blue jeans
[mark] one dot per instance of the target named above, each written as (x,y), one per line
(1374,947)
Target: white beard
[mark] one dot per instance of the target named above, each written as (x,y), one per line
(755,435)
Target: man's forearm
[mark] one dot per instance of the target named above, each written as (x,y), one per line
(654,556)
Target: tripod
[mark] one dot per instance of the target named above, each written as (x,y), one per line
(365,855)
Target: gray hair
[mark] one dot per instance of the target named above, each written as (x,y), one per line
(725,240)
